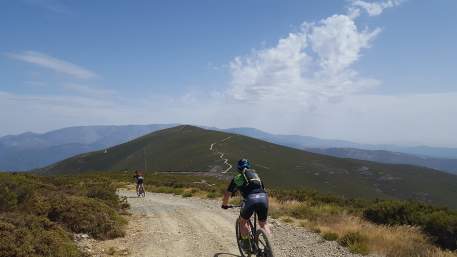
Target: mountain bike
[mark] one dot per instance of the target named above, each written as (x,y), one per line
(141,192)
(258,238)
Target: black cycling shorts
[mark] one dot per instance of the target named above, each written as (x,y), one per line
(139,181)
(255,203)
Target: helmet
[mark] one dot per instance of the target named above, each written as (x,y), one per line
(243,164)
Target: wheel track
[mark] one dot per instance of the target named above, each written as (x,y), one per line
(173,226)
(221,155)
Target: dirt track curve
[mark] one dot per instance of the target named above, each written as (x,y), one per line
(165,225)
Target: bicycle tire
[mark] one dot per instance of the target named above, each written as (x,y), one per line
(142,192)
(262,239)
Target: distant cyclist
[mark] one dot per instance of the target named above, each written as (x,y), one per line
(255,199)
(139,179)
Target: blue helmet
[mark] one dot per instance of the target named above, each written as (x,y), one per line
(243,164)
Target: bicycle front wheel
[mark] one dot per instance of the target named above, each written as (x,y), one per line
(263,244)
(238,239)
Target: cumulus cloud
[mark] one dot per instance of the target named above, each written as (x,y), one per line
(52,63)
(306,66)
(373,8)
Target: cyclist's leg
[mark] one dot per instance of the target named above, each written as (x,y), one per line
(265,226)
(244,227)
(137,187)
(262,213)
(245,214)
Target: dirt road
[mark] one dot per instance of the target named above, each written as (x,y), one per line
(165,225)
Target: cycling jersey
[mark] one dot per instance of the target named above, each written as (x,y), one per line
(247,182)
(139,179)
(253,192)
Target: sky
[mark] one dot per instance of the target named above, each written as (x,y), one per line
(380,72)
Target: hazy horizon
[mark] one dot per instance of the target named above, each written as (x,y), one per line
(405,144)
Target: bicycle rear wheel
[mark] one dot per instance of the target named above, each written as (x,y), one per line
(263,244)
(238,240)
(142,192)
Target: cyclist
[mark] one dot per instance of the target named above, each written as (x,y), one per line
(255,199)
(139,179)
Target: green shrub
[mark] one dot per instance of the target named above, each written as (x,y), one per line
(178,191)
(287,220)
(30,236)
(105,192)
(330,236)
(187,194)
(8,199)
(85,215)
(355,242)
(38,204)
(38,213)
(211,195)
(440,224)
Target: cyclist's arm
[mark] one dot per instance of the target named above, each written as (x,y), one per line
(230,190)
(226,198)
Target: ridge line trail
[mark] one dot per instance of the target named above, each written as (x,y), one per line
(164,225)
(221,156)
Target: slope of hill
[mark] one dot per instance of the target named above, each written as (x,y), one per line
(449,165)
(188,148)
(30,150)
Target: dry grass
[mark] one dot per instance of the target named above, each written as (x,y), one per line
(390,241)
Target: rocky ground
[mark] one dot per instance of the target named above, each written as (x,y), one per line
(165,225)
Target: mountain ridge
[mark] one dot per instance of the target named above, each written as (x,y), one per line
(188,148)
(33,150)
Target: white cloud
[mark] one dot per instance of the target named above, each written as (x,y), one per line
(311,65)
(373,8)
(54,64)
(337,41)
(306,66)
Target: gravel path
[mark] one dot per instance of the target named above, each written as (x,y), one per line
(165,225)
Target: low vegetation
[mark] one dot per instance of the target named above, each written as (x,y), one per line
(55,207)
(39,214)
(439,223)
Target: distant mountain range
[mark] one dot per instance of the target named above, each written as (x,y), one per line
(448,165)
(189,148)
(31,150)
(303,142)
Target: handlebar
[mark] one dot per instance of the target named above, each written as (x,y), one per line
(233,206)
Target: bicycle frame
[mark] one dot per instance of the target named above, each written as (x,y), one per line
(254,235)
(253,228)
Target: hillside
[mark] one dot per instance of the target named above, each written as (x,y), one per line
(32,150)
(449,165)
(187,148)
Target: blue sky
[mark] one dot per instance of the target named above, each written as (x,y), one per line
(368,71)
